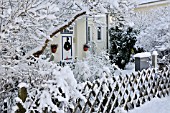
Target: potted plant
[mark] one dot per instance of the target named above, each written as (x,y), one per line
(85,47)
(54,48)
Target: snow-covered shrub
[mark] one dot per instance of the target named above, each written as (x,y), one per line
(55,88)
(49,85)
(92,67)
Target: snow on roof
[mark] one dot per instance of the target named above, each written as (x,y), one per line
(147,1)
(143,54)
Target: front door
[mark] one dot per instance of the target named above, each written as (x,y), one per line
(67,48)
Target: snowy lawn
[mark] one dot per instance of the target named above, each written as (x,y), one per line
(129,69)
(156,105)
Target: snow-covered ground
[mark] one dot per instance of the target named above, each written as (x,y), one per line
(154,106)
(129,69)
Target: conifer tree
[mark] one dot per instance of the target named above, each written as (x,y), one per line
(122,41)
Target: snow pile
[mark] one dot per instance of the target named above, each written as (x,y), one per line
(56,90)
(155,106)
(120,110)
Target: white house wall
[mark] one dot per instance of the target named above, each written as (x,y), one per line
(101,22)
(80,37)
(57,55)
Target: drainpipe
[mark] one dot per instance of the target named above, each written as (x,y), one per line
(86,30)
(107,31)
(2,14)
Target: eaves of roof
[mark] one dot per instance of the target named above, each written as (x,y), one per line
(153,4)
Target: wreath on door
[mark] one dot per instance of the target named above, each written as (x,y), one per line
(67,45)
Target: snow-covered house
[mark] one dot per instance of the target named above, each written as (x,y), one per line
(152,16)
(145,5)
(91,28)
(71,41)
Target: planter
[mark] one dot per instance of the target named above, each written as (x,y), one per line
(54,48)
(85,47)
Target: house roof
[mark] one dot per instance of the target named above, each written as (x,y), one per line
(149,1)
(148,4)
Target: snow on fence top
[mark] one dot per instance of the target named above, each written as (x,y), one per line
(107,94)
(125,91)
(155,53)
(143,54)
(22,85)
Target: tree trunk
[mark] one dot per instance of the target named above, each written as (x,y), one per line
(38,53)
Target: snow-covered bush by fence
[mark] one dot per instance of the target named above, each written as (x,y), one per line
(49,85)
(93,67)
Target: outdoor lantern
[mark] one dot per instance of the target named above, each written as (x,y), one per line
(85,47)
(54,48)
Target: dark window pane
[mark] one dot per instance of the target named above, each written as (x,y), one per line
(88,35)
(67,31)
(99,33)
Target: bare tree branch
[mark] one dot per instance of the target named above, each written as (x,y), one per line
(38,53)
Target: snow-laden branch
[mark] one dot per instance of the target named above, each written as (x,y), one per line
(39,52)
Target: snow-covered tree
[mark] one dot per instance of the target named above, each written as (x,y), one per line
(34,22)
(122,34)
(154,26)
(122,16)
(26,25)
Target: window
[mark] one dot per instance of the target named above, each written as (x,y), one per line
(91,0)
(67,31)
(99,34)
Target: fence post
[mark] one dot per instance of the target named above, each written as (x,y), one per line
(5,106)
(22,94)
(154,59)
